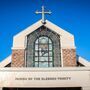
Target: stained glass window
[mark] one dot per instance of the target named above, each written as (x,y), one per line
(43,52)
(43,48)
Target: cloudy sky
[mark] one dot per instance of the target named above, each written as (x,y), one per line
(71,15)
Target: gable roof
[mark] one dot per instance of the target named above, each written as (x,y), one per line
(19,40)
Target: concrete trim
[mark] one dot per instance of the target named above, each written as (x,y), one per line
(75,77)
(31,69)
(5,62)
(1,88)
(61,53)
(67,39)
(86,88)
(83,61)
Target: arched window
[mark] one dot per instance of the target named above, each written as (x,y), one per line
(43,48)
(43,52)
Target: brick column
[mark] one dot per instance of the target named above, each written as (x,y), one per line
(18,58)
(69,57)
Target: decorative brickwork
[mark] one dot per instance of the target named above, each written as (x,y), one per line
(69,57)
(18,58)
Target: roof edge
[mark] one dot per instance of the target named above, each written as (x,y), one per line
(83,61)
(5,62)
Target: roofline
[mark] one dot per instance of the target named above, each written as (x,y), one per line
(5,62)
(83,61)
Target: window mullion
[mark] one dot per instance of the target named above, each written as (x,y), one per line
(43,43)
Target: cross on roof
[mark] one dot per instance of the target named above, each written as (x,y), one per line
(43,12)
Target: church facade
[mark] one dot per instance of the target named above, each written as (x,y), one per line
(44,45)
(44,56)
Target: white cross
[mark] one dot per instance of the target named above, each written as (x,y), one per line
(43,12)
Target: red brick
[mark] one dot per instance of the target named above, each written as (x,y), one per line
(18,58)
(69,57)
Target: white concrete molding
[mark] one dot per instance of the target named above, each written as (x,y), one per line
(27,77)
(36,69)
(1,88)
(67,39)
(5,62)
(83,61)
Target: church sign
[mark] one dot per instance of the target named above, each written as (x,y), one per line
(44,77)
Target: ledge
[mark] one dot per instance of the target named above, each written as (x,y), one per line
(45,69)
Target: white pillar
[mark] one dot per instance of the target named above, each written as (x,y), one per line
(1,88)
(86,88)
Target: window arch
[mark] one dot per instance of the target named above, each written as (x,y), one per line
(33,53)
(43,52)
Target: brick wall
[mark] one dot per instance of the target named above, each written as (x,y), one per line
(18,58)
(69,57)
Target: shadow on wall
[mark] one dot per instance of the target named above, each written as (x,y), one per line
(62,88)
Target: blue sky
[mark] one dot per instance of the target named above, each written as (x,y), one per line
(71,15)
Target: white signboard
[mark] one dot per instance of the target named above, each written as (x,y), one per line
(25,77)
